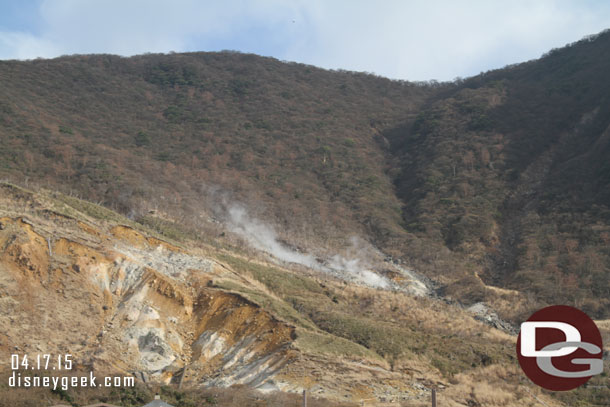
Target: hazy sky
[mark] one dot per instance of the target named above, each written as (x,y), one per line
(407,39)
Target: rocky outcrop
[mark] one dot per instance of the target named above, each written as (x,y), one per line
(129,302)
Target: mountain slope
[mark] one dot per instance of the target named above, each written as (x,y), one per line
(508,171)
(83,280)
(122,131)
(493,186)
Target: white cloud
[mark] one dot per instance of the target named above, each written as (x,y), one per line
(443,39)
(17,45)
(414,40)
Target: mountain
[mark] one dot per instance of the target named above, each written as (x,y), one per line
(125,301)
(501,177)
(509,171)
(184,135)
(366,222)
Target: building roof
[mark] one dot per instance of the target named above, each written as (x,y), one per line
(90,405)
(157,403)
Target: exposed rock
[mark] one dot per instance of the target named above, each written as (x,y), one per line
(486,315)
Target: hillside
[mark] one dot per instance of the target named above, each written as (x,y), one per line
(509,171)
(501,177)
(163,130)
(123,300)
(494,189)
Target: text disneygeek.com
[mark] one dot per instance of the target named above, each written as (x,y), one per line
(65,382)
(25,374)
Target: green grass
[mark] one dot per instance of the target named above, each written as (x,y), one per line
(75,208)
(278,281)
(324,326)
(276,306)
(324,343)
(16,190)
(295,290)
(72,204)
(168,229)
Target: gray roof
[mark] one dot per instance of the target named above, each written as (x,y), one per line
(157,403)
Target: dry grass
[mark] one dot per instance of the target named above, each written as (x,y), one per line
(493,386)
(140,395)
(427,340)
(604,327)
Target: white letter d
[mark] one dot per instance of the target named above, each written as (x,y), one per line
(528,338)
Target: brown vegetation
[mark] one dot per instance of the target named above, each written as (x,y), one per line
(502,176)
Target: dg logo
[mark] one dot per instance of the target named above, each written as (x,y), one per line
(560,348)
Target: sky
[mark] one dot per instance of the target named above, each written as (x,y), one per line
(400,39)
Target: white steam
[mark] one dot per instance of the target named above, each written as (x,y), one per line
(264,238)
(354,268)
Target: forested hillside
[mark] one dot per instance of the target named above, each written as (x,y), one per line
(498,180)
(512,175)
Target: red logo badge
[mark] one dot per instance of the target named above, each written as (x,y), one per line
(560,348)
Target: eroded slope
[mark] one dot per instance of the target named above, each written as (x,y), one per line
(121,299)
